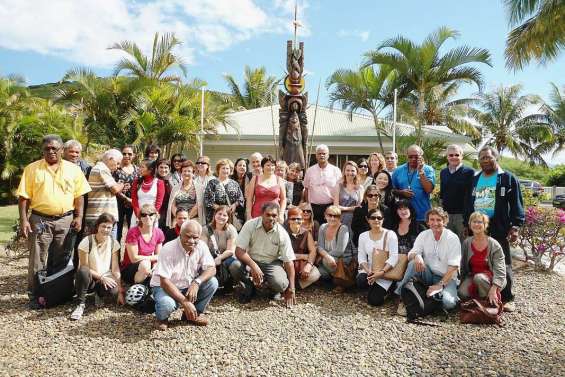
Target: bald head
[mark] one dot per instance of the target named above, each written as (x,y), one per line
(190,235)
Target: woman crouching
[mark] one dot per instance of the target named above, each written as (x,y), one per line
(99,266)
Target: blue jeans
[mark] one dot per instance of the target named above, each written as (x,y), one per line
(449,293)
(165,305)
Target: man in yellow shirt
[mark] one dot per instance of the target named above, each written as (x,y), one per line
(52,188)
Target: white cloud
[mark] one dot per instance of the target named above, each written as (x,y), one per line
(81,30)
(361,34)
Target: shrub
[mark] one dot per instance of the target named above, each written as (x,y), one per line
(557,176)
(542,238)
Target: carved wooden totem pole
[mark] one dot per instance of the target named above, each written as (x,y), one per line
(293,130)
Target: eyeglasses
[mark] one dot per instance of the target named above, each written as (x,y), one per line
(371,196)
(147,214)
(453,155)
(477,222)
(296,219)
(201,163)
(379,218)
(333,216)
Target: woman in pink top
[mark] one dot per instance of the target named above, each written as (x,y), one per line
(265,188)
(143,244)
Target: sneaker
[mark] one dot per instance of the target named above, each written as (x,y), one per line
(161,325)
(78,312)
(401,311)
(199,321)
(277,297)
(34,304)
(98,301)
(246,292)
(509,306)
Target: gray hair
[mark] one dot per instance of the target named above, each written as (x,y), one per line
(491,149)
(320,147)
(270,205)
(72,144)
(455,147)
(112,154)
(191,224)
(416,147)
(255,156)
(49,138)
(391,153)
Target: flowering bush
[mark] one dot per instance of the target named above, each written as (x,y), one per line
(542,238)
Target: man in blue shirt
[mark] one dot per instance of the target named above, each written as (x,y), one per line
(415,180)
(456,181)
(497,194)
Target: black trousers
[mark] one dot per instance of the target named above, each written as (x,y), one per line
(318,211)
(506,294)
(124,216)
(376,295)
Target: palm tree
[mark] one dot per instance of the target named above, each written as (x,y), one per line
(155,67)
(502,116)
(258,89)
(421,67)
(442,109)
(538,34)
(555,113)
(364,89)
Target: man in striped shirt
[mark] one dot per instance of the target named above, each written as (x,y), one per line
(102,198)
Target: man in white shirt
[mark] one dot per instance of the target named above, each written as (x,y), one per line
(184,276)
(391,161)
(435,259)
(320,183)
(264,247)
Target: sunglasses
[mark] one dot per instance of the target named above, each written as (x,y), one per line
(363,167)
(201,163)
(379,218)
(453,155)
(333,216)
(307,210)
(46,149)
(371,196)
(147,214)
(175,161)
(296,219)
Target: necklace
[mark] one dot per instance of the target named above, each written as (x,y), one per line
(410,177)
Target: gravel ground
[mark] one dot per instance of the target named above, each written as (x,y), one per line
(324,335)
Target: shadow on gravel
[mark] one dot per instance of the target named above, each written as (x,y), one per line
(13,285)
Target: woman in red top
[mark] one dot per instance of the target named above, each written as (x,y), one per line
(143,244)
(147,189)
(265,188)
(483,271)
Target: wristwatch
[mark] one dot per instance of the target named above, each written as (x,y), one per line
(293,290)
(197,281)
(441,283)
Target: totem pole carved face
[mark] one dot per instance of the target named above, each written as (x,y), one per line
(293,122)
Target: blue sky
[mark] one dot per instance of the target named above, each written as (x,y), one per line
(45,38)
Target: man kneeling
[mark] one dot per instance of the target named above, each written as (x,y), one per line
(184,276)
(434,260)
(263,246)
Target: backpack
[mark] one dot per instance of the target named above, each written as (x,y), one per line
(55,284)
(417,303)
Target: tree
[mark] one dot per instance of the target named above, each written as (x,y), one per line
(364,89)
(506,125)
(258,89)
(421,67)
(555,113)
(442,109)
(538,34)
(155,67)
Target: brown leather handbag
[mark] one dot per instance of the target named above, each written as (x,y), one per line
(480,312)
(380,257)
(345,273)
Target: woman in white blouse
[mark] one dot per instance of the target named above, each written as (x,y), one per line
(377,238)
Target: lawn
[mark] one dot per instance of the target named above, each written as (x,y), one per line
(8,214)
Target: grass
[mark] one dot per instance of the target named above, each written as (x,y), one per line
(8,215)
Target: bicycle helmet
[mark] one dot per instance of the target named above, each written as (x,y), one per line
(136,294)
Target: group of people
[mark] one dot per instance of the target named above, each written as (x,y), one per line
(266,227)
